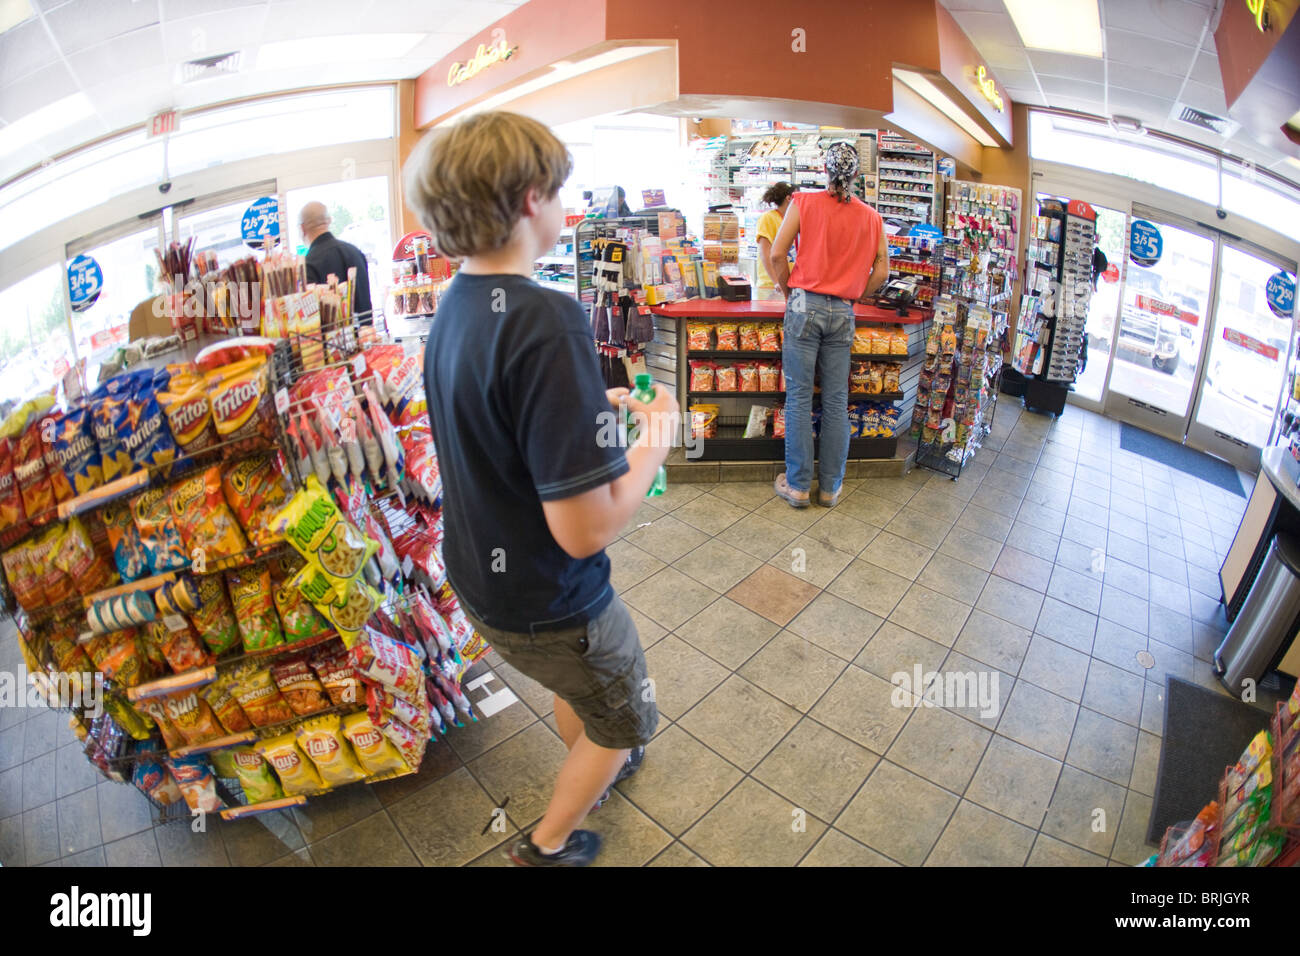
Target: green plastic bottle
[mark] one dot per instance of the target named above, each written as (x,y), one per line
(645,393)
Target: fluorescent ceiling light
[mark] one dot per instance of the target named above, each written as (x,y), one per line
(341,48)
(1065,26)
(14,12)
(940,101)
(48,119)
(557,73)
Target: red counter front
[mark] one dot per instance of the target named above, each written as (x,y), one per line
(669,357)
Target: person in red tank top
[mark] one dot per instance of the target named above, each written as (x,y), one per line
(843,258)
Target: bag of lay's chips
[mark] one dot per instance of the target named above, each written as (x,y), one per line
(76,557)
(255,777)
(29,472)
(316,528)
(203,518)
(11,499)
(297,774)
(160,538)
(241,401)
(78,451)
(124,541)
(374,751)
(256,489)
(321,738)
(144,432)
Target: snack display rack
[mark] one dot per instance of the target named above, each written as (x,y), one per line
(1254,819)
(263,583)
(1054,307)
(908,188)
(964,351)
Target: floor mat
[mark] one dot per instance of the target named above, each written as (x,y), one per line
(1188,460)
(1204,733)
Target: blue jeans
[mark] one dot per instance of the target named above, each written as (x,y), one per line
(818,337)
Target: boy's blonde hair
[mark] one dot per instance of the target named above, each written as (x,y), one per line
(466,183)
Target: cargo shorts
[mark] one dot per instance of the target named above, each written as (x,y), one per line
(598,668)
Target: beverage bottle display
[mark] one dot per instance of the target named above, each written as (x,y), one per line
(645,392)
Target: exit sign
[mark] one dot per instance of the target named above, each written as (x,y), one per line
(160,124)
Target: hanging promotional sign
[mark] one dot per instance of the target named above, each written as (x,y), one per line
(261,222)
(1145,243)
(1145,303)
(85,282)
(1279,292)
(923,230)
(1250,342)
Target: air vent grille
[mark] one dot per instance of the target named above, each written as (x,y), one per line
(209,66)
(1203,120)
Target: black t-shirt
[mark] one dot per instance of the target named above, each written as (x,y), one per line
(330,255)
(516,402)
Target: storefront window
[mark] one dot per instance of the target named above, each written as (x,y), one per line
(217,230)
(130,276)
(35,347)
(359,214)
(245,130)
(637,151)
(1180,169)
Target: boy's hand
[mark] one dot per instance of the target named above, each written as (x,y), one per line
(616,396)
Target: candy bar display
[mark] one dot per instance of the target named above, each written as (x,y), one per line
(244,547)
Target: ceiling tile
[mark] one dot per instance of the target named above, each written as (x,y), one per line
(1176,20)
(1144,51)
(1063,64)
(183,9)
(122,105)
(1071,103)
(1150,109)
(1207,70)
(84,23)
(23,49)
(34,91)
(1123,76)
(45,6)
(444,16)
(1022,79)
(119,58)
(213,34)
(1208,98)
(1054,85)
(1027,95)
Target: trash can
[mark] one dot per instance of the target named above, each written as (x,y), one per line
(1267,619)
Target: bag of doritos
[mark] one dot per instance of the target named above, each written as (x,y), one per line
(78,451)
(29,472)
(143,428)
(124,541)
(203,517)
(49,427)
(11,499)
(159,536)
(107,413)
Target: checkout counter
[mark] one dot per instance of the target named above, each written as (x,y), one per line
(671,355)
(1274,508)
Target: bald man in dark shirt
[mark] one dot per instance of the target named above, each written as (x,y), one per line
(328,256)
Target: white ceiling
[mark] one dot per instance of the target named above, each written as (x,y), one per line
(124,54)
(1157,52)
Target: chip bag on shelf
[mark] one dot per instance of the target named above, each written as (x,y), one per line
(221,699)
(257,488)
(203,518)
(296,772)
(299,619)
(315,527)
(300,687)
(253,602)
(124,540)
(159,536)
(214,617)
(374,751)
(11,498)
(255,777)
(347,615)
(30,472)
(75,556)
(155,781)
(338,675)
(258,697)
(321,738)
(241,401)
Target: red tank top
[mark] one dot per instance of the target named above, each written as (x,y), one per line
(837,244)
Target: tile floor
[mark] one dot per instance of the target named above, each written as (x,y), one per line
(772,635)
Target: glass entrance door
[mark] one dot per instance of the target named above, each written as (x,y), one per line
(1246,360)
(1164,310)
(1103,307)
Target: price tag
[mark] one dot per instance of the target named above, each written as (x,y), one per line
(359,365)
(282,401)
(175,622)
(407,565)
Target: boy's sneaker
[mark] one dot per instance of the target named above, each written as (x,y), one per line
(631,766)
(580,850)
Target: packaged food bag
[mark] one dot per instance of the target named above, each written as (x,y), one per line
(253,602)
(255,777)
(296,772)
(203,518)
(321,738)
(374,751)
(257,488)
(124,541)
(258,696)
(316,528)
(159,536)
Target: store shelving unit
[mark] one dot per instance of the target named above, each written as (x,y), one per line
(908,188)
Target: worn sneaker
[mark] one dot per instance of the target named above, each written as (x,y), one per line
(630,766)
(828,501)
(792,497)
(580,850)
